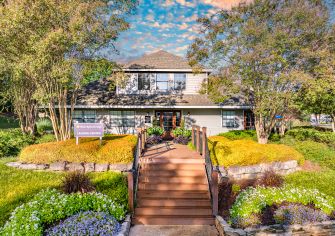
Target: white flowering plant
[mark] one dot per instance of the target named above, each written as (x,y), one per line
(253,200)
(50,206)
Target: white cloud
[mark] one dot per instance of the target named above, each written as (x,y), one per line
(183,26)
(181,48)
(224,4)
(150,17)
(186,3)
(168,3)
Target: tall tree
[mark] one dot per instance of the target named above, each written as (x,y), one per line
(259,50)
(51,42)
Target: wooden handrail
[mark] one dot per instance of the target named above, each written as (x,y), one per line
(212,174)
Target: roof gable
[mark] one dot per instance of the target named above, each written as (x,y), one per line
(159,60)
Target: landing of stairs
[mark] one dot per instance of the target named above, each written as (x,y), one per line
(176,230)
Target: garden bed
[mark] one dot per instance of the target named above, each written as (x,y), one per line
(115,149)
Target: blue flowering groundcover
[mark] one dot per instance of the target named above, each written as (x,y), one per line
(86,223)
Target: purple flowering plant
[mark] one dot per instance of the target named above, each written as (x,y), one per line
(86,223)
(298,214)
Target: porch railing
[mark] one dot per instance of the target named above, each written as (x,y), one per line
(134,172)
(200,142)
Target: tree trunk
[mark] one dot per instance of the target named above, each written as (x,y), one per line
(333,122)
(282,128)
(262,134)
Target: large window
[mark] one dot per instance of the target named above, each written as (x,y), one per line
(229,119)
(125,119)
(162,81)
(143,81)
(84,116)
(179,81)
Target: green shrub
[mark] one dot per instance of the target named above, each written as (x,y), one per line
(240,134)
(303,134)
(182,132)
(46,138)
(50,206)
(8,122)
(225,152)
(43,125)
(12,141)
(114,149)
(156,130)
(191,146)
(253,200)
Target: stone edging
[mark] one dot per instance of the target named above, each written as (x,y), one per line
(255,171)
(125,227)
(65,166)
(322,228)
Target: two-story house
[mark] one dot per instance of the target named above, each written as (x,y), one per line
(163,90)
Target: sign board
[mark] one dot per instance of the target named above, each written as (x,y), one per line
(279,117)
(88,130)
(147,119)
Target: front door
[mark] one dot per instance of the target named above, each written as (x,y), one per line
(168,120)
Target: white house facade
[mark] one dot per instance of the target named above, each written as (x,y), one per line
(162,90)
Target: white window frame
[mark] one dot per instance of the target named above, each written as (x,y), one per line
(232,118)
(83,117)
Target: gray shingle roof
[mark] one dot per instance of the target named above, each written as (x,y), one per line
(159,60)
(98,93)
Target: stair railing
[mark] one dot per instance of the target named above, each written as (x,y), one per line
(134,172)
(200,141)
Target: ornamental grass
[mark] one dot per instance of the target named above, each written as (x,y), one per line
(226,152)
(114,149)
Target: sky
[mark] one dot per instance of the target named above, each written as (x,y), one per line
(164,25)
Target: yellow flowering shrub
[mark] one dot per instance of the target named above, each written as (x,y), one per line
(225,152)
(114,149)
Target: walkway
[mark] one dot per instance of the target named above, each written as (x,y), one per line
(172,188)
(176,230)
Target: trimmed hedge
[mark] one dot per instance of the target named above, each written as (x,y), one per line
(114,149)
(225,152)
(240,134)
(303,134)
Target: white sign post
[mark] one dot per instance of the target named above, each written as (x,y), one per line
(88,130)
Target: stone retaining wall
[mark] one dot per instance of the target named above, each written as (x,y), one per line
(256,171)
(65,166)
(323,228)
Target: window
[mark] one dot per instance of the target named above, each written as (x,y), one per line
(122,119)
(143,81)
(84,116)
(229,119)
(179,81)
(162,81)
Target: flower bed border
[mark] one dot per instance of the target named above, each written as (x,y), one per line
(66,166)
(322,228)
(256,171)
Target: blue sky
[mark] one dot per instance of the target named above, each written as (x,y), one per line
(164,24)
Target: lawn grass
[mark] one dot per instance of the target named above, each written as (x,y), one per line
(19,186)
(114,149)
(323,180)
(8,122)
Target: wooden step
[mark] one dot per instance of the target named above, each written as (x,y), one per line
(173,173)
(168,220)
(172,160)
(176,180)
(174,211)
(172,186)
(173,194)
(171,166)
(173,202)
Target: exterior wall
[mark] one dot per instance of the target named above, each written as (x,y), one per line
(210,118)
(193,84)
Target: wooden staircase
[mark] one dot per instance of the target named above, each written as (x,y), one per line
(173,190)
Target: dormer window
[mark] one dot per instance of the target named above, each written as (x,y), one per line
(143,81)
(179,81)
